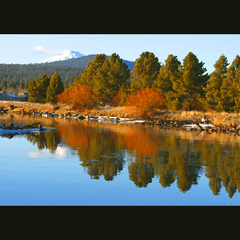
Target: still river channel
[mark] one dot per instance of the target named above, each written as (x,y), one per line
(90,163)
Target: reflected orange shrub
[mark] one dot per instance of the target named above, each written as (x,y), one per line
(142,141)
(76,135)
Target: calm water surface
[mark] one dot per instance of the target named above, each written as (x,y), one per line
(91,163)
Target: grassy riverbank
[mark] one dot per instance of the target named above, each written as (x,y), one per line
(223,119)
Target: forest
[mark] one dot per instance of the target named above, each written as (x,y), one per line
(152,85)
(149,86)
(15,77)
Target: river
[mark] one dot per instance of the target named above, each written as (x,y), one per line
(91,163)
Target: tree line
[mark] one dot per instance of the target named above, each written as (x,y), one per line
(176,85)
(45,89)
(21,74)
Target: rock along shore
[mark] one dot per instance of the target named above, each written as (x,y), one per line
(204,124)
(10,129)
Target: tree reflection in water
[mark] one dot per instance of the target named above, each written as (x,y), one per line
(96,148)
(171,156)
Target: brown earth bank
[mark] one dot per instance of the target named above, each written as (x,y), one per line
(209,121)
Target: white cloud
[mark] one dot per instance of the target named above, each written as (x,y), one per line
(48,51)
(61,151)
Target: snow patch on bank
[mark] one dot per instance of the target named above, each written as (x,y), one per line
(196,126)
(21,131)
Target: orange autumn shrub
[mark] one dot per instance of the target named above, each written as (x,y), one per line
(80,97)
(116,100)
(145,102)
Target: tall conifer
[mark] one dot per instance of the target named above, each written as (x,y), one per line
(230,87)
(190,87)
(145,71)
(105,76)
(55,87)
(213,94)
(169,75)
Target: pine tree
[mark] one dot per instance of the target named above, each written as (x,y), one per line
(32,91)
(104,76)
(118,74)
(190,87)
(21,85)
(213,94)
(55,87)
(43,84)
(145,71)
(168,75)
(100,81)
(87,77)
(230,87)
(3,85)
(237,88)
(37,89)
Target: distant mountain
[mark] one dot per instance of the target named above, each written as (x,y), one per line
(81,62)
(66,54)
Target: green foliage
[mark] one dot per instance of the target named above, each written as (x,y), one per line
(145,71)
(230,88)
(169,75)
(82,62)
(213,94)
(118,74)
(104,76)
(185,86)
(45,89)
(55,87)
(32,91)
(37,89)
(16,73)
(190,86)
(3,85)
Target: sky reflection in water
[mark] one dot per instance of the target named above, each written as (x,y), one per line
(83,163)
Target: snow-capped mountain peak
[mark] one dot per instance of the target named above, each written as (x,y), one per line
(66,54)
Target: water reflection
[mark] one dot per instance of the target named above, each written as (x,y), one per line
(148,152)
(49,140)
(97,148)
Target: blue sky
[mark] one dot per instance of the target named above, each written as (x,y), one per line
(25,49)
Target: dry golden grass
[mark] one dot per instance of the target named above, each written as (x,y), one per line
(223,118)
(121,112)
(215,118)
(27,105)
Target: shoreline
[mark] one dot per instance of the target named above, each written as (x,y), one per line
(209,122)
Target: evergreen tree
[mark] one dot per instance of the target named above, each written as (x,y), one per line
(118,74)
(190,87)
(37,89)
(145,71)
(237,90)
(21,85)
(104,76)
(55,87)
(32,92)
(101,85)
(87,77)
(229,88)
(169,74)
(3,86)
(213,94)
(42,87)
